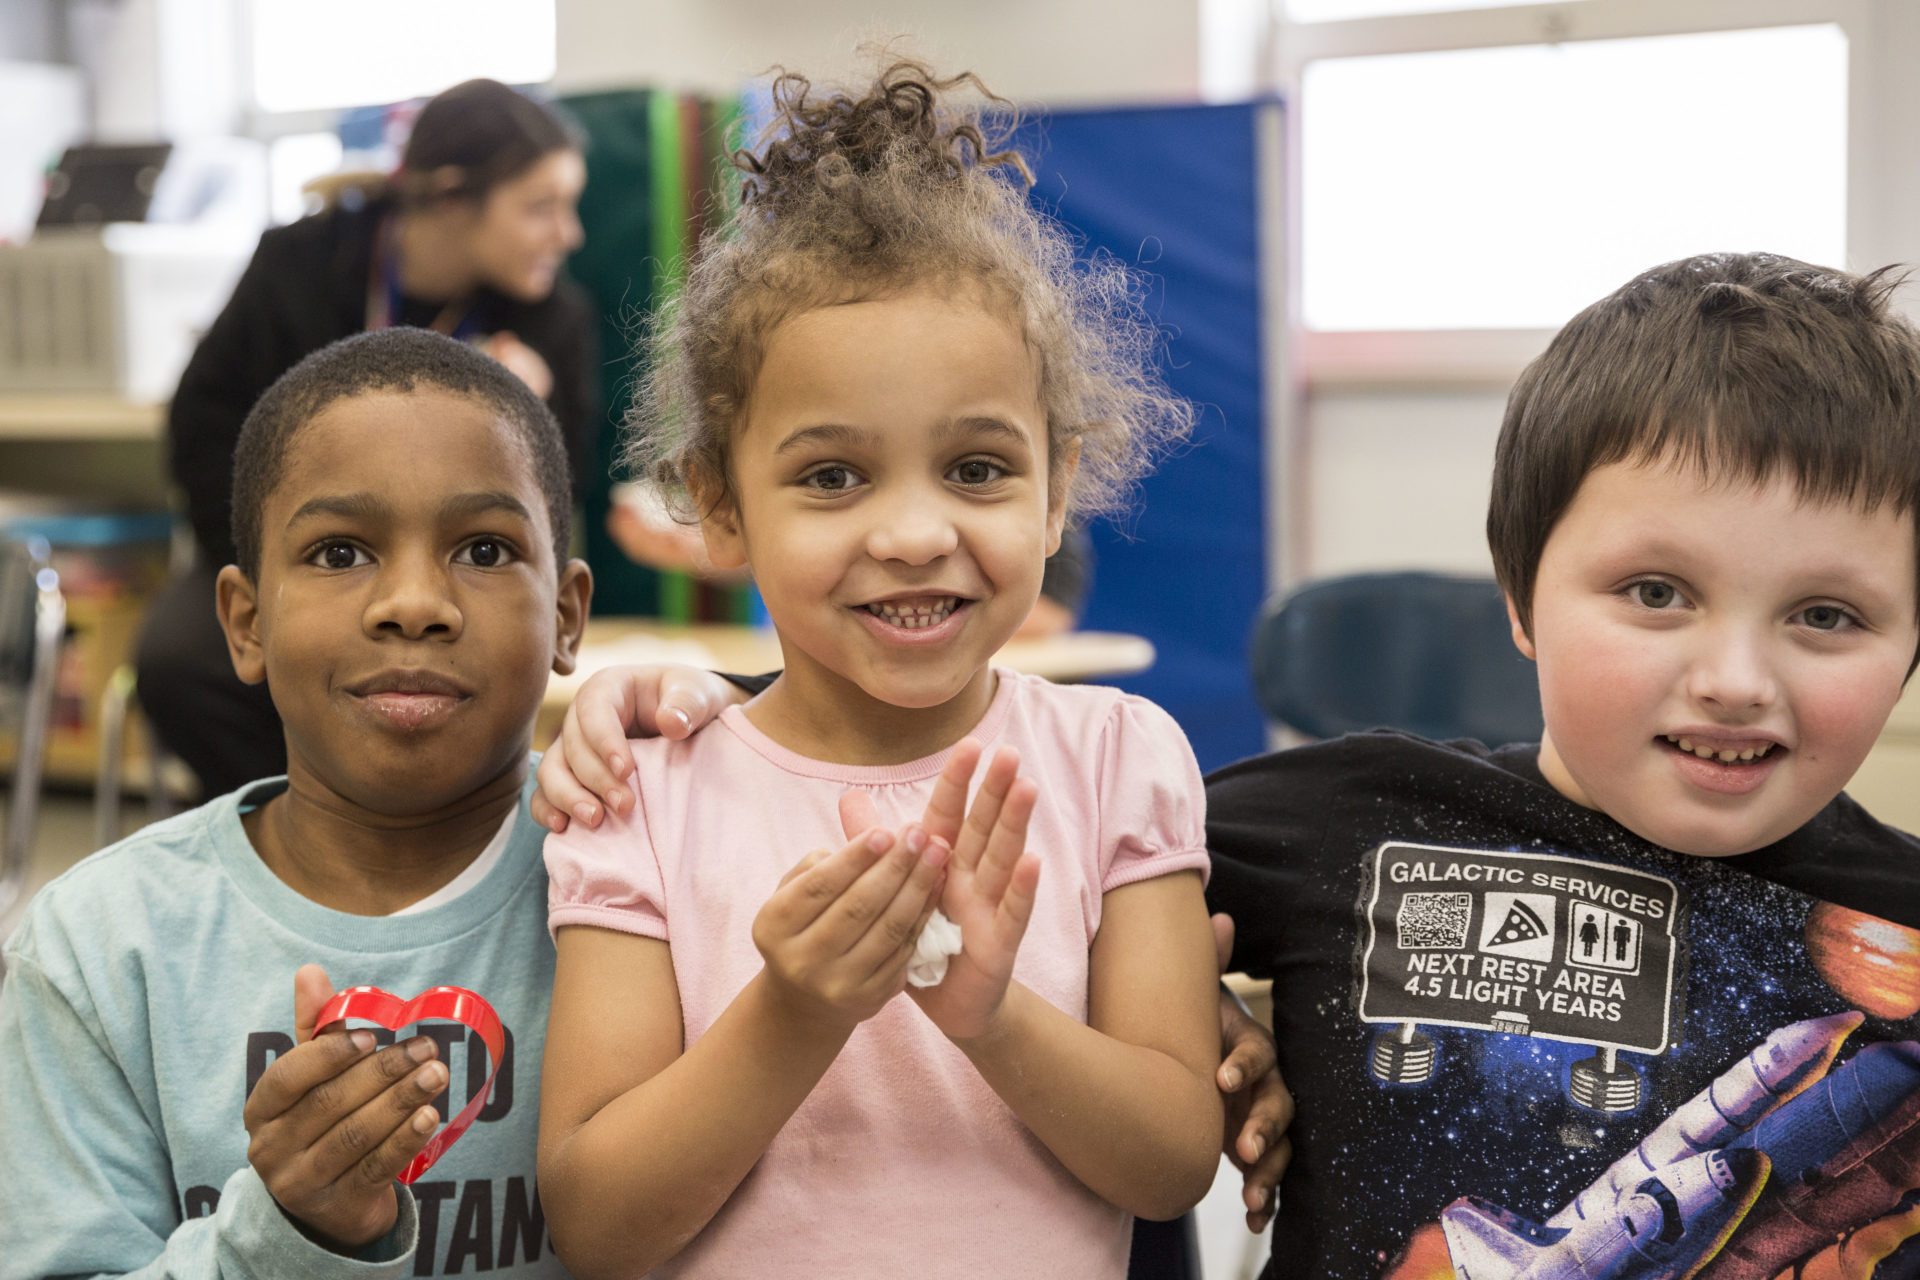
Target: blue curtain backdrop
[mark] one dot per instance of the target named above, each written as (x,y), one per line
(1172,191)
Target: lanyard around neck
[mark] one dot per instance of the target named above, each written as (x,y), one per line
(459,319)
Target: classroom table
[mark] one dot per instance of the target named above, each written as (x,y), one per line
(1069,657)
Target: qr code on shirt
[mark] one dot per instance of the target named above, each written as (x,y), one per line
(1433,921)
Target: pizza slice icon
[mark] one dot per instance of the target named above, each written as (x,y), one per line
(1518,925)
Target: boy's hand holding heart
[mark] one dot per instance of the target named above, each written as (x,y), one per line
(333,1123)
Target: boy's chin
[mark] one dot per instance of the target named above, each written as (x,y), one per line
(427,781)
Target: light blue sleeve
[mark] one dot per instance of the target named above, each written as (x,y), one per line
(86,1187)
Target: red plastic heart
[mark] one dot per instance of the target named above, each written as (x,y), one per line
(448,1004)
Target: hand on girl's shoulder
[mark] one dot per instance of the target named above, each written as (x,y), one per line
(587,771)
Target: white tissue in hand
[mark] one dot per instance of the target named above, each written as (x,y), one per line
(939,940)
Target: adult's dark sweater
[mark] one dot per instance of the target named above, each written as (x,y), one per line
(306,287)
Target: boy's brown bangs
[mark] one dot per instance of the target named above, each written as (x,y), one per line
(1742,443)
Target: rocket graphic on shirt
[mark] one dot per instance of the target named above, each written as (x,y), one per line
(1669,1205)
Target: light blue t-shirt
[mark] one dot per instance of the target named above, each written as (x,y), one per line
(149,988)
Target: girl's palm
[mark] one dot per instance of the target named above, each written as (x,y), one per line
(990,882)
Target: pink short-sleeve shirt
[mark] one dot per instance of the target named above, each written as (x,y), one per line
(902,1161)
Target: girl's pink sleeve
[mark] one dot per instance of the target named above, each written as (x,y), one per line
(1153,806)
(609,877)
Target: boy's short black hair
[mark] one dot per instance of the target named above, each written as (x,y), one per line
(1746,364)
(399,359)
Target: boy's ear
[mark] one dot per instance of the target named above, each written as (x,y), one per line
(719,519)
(571,603)
(1521,640)
(238,605)
(1059,485)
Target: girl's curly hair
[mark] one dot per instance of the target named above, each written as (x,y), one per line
(861,197)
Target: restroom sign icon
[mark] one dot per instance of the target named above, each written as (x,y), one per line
(1601,939)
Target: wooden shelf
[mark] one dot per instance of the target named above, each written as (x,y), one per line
(54,415)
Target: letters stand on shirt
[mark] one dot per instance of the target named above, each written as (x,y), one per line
(1406,1055)
(1403,1056)
(1602,1084)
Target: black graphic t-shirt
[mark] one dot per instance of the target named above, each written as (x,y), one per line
(1525,1042)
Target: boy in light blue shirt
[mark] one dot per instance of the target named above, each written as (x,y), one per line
(401,512)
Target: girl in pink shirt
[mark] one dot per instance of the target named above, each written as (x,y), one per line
(886,386)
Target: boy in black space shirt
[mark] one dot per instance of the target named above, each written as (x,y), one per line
(1661,935)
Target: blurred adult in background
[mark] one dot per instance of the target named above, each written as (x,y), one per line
(468,237)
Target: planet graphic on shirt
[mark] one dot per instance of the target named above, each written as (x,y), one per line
(1873,964)
(1425,1258)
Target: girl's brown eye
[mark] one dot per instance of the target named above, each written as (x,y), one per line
(486,554)
(975,472)
(829,478)
(337,555)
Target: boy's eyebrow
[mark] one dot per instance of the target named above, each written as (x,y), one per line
(463,505)
(349,506)
(364,506)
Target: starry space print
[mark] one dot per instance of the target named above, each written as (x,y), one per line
(1451,1122)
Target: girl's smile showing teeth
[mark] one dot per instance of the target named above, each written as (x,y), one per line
(915,620)
(915,614)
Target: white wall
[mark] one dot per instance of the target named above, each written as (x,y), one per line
(46,106)
(1396,476)
(158,68)
(1038,51)
(1398,479)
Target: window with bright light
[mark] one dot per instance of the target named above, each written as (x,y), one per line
(343,53)
(292,162)
(1509,187)
(1340,10)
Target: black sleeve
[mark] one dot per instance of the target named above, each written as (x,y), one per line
(569,341)
(1068,579)
(1846,856)
(1266,822)
(249,345)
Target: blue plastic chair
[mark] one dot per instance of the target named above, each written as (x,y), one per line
(1422,652)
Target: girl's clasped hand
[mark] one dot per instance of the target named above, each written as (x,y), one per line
(989,885)
(839,932)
